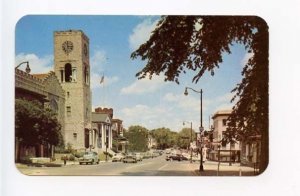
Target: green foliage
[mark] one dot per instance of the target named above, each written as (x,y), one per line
(78,154)
(137,138)
(35,124)
(71,158)
(184,137)
(164,137)
(196,43)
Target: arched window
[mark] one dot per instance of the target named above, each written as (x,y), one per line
(68,72)
(53,105)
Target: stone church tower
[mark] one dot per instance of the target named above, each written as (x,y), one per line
(72,68)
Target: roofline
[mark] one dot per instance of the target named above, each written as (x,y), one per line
(222,113)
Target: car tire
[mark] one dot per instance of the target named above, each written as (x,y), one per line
(80,163)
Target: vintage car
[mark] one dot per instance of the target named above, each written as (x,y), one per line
(139,156)
(130,158)
(118,157)
(178,157)
(89,157)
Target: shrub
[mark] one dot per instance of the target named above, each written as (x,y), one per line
(71,158)
(78,154)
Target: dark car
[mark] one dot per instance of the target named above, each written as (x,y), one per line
(177,157)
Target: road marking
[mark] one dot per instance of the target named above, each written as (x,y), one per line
(162,167)
(138,165)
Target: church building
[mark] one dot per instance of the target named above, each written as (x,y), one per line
(72,68)
(67,91)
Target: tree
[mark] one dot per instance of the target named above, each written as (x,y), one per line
(196,43)
(184,137)
(35,125)
(164,137)
(137,138)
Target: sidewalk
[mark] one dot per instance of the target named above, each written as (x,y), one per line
(211,169)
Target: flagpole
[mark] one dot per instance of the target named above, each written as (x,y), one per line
(103,90)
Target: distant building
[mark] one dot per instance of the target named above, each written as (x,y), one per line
(151,142)
(102,131)
(110,130)
(220,119)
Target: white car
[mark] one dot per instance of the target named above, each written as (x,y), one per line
(118,157)
(138,156)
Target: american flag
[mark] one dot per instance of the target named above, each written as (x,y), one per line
(102,80)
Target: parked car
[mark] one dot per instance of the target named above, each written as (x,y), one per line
(138,156)
(89,157)
(118,157)
(155,154)
(147,155)
(130,158)
(186,155)
(177,157)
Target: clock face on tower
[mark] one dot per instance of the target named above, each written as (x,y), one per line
(67,47)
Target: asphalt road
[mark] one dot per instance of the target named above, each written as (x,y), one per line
(148,167)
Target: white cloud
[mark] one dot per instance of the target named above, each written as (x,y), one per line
(145,85)
(247,56)
(144,115)
(98,60)
(37,64)
(188,103)
(96,78)
(141,33)
(223,102)
(224,98)
(157,116)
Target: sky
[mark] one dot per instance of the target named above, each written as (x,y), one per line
(149,103)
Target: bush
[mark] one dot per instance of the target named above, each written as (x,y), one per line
(109,155)
(78,154)
(71,158)
(26,160)
(65,157)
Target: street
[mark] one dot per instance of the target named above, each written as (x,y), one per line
(148,167)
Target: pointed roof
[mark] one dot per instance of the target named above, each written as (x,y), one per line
(100,117)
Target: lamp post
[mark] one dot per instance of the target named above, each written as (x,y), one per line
(191,137)
(201,127)
(27,66)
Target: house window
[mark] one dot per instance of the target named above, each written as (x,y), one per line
(54,106)
(224,122)
(68,111)
(232,145)
(68,94)
(75,136)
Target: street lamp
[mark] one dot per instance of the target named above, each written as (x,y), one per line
(191,137)
(27,66)
(201,127)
